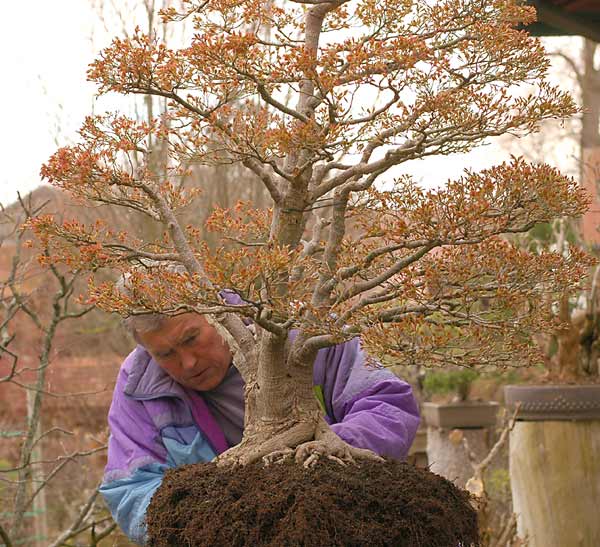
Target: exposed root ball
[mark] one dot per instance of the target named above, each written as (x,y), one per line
(368,504)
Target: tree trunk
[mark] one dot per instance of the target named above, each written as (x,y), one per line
(555,481)
(282,411)
(590,142)
(39,506)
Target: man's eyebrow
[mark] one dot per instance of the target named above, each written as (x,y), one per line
(180,340)
(186,334)
(161,351)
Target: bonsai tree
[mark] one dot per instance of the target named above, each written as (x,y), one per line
(570,348)
(320,100)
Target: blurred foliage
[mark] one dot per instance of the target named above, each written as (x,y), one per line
(544,235)
(498,484)
(459,382)
(453,381)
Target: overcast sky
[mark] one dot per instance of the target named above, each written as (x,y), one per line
(45,49)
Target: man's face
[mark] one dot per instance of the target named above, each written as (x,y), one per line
(190,350)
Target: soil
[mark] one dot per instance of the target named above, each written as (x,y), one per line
(370,504)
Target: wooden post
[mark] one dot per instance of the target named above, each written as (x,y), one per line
(448,456)
(555,481)
(417,455)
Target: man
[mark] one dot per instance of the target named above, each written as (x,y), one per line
(179,400)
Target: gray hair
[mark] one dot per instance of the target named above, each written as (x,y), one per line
(140,324)
(147,322)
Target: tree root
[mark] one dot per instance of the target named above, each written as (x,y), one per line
(308,454)
(267,441)
(305,442)
(328,445)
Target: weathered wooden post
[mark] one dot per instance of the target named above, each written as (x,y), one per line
(555,464)
(448,426)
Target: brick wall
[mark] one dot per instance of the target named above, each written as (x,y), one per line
(591,182)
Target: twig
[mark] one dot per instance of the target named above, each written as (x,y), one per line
(508,532)
(5,538)
(92,524)
(13,368)
(106,532)
(52,394)
(83,514)
(59,460)
(56,470)
(484,464)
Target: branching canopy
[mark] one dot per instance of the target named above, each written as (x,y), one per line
(319,100)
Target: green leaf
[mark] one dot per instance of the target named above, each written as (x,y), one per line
(318,391)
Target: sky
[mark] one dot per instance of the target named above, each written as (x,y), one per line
(45,95)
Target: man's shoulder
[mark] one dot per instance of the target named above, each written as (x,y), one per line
(350,367)
(131,367)
(138,356)
(345,354)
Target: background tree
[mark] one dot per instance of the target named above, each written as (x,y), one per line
(571,349)
(219,184)
(371,86)
(35,303)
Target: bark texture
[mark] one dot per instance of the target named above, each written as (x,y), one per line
(555,481)
(590,140)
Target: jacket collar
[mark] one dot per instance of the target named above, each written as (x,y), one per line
(147,380)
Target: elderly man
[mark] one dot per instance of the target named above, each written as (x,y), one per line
(179,399)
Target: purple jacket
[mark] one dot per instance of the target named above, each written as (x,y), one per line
(156,423)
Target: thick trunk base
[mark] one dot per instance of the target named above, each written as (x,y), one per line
(306,441)
(367,504)
(555,481)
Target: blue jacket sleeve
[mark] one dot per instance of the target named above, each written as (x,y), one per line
(128,499)
(139,453)
(137,459)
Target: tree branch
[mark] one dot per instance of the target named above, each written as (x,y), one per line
(337,229)
(83,514)
(358,288)
(276,104)
(265,177)
(4,537)
(234,332)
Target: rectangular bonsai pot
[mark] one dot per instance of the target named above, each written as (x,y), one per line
(467,414)
(554,401)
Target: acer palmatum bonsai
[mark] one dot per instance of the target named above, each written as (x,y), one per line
(320,100)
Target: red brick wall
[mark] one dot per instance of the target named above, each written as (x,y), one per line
(591,181)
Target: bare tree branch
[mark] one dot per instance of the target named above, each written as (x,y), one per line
(4,537)
(82,516)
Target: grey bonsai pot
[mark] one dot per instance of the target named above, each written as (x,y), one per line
(460,415)
(554,402)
